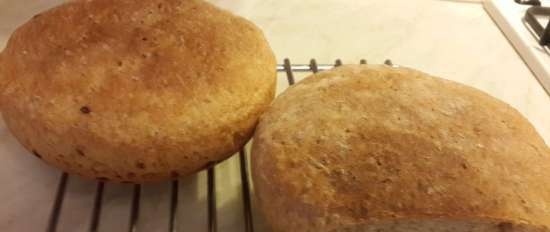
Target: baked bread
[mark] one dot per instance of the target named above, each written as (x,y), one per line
(376,148)
(135,91)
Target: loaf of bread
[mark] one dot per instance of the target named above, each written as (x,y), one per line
(135,91)
(370,148)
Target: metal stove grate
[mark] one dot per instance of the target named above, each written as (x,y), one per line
(287,68)
(540,31)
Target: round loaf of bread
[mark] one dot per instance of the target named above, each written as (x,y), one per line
(135,91)
(370,148)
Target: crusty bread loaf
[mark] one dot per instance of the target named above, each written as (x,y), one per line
(376,148)
(136,91)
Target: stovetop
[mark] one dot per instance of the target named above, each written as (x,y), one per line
(537,20)
(526,24)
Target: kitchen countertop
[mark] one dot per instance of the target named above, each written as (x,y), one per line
(453,39)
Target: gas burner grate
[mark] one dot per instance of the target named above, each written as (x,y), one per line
(54,216)
(529,2)
(540,31)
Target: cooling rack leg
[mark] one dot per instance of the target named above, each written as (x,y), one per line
(97,206)
(249,226)
(288,70)
(174,206)
(337,63)
(60,194)
(212,214)
(313,66)
(134,215)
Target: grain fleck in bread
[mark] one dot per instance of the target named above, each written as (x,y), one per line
(135,91)
(374,148)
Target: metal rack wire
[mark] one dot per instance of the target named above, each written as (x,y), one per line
(287,68)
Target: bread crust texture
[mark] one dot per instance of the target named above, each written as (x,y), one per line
(379,148)
(135,91)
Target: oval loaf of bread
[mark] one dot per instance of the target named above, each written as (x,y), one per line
(136,91)
(370,148)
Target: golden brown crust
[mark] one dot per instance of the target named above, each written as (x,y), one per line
(362,144)
(136,90)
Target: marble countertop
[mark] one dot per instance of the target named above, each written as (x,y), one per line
(453,39)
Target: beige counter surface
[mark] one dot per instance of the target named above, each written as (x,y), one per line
(453,39)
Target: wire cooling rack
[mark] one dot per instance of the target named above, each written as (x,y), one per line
(212,214)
